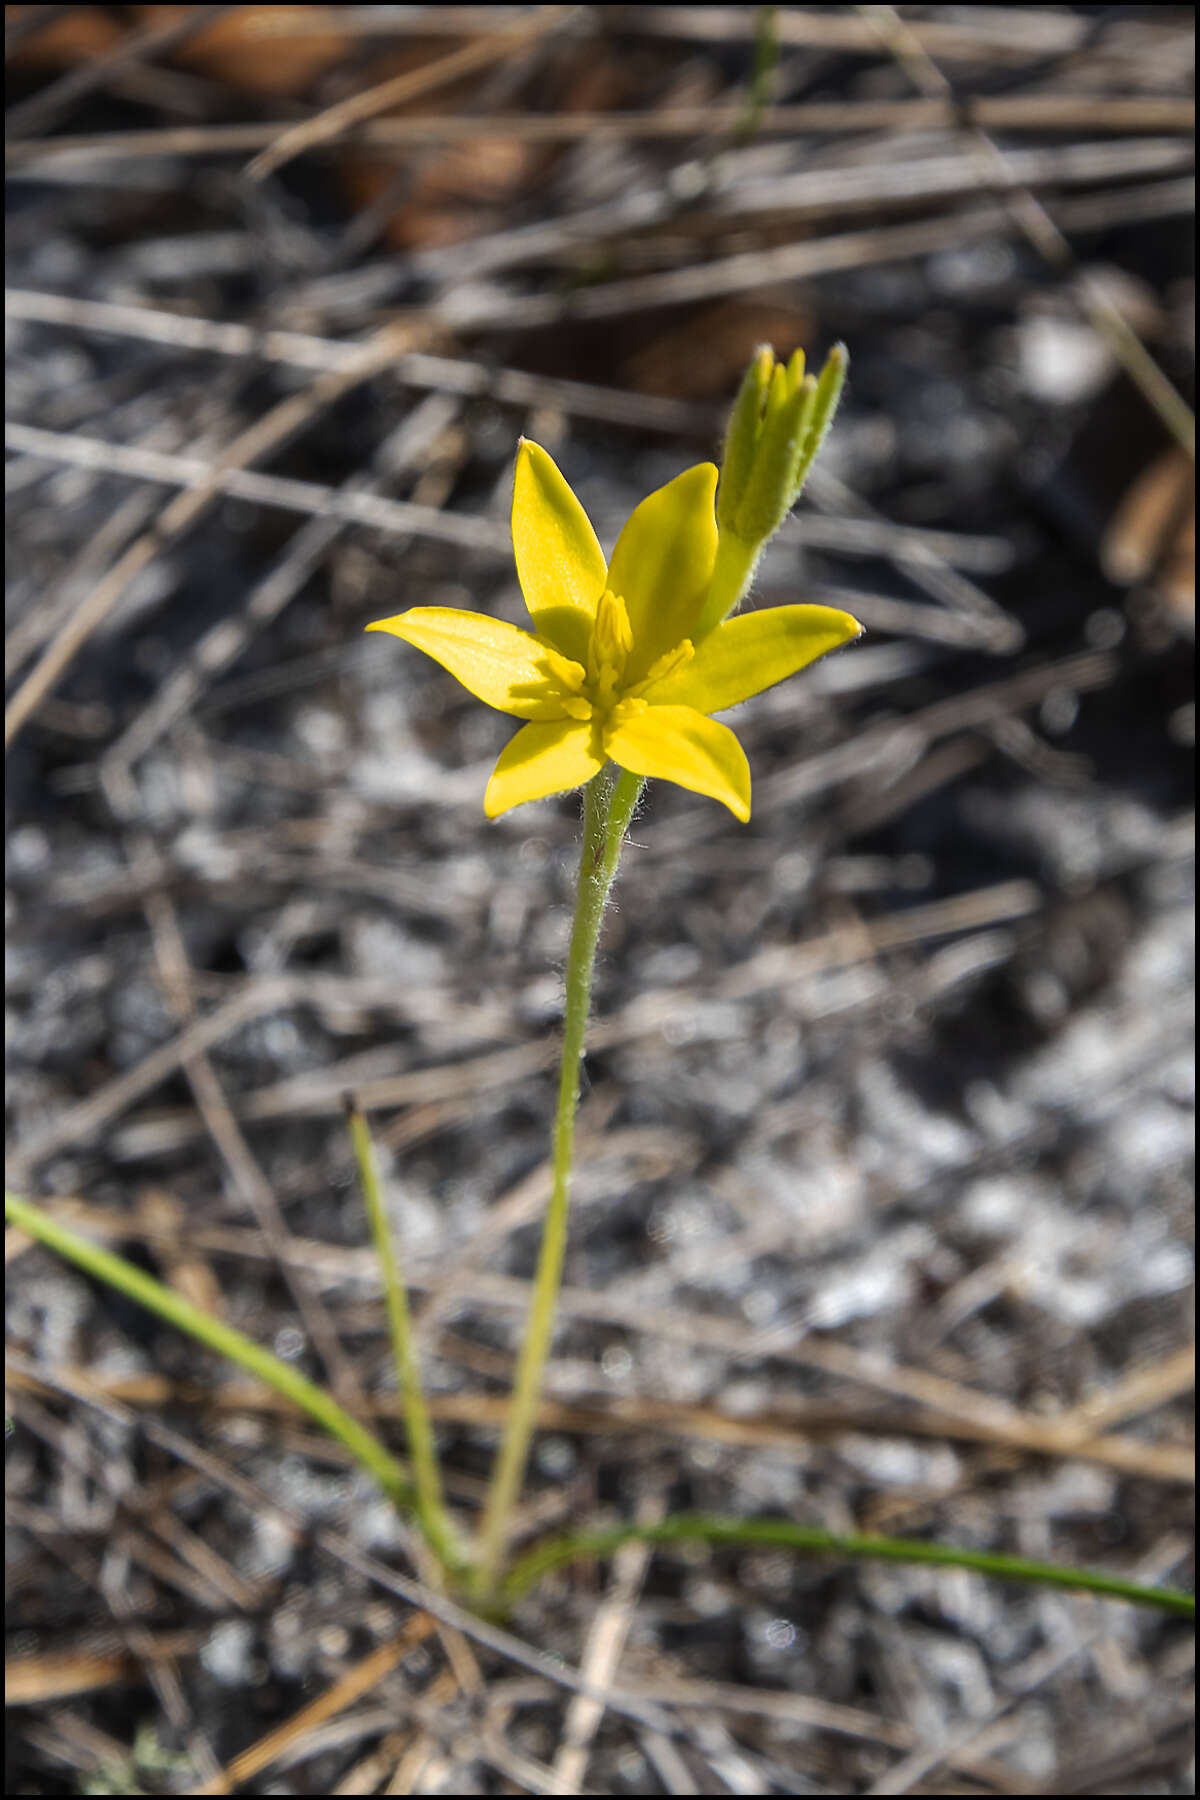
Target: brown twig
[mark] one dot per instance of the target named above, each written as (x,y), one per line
(264,436)
(753,269)
(325,127)
(42,108)
(353,503)
(1041,231)
(453,375)
(1050,112)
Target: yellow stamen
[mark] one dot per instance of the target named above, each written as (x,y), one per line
(612,634)
(568,674)
(612,640)
(667,663)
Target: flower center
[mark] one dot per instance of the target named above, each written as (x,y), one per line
(600,692)
(612,640)
(596,690)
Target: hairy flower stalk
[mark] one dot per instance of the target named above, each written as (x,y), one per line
(626,663)
(608,808)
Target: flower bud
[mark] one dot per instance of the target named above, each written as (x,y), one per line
(741,434)
(768,492)
(825,404)
(776,427)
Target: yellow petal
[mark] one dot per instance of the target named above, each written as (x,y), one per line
(751,652)
(663,563)
(681,745)
(542,760)
(560,564)
(497,662)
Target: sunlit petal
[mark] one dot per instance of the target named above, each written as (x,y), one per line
(753,651)
(560,564)
(542,760)
(681,745)
(663,563)
(495,661)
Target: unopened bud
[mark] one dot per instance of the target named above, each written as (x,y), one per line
(741,434)
(777,425)
(825,404)
(768,492)
(775,430)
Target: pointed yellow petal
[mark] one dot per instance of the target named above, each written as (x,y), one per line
(751,652)
(663,563)
(681,745)
(542,760)
(497,662)
(560,564)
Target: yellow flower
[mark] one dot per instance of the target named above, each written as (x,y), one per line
(609,671)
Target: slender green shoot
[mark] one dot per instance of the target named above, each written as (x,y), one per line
(157,1298)
(758,90)
(692,1528)
(428,1505)
(556,1553)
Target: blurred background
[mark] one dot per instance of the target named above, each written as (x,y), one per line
(883,1212)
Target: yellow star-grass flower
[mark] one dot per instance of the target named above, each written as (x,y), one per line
(614,668)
